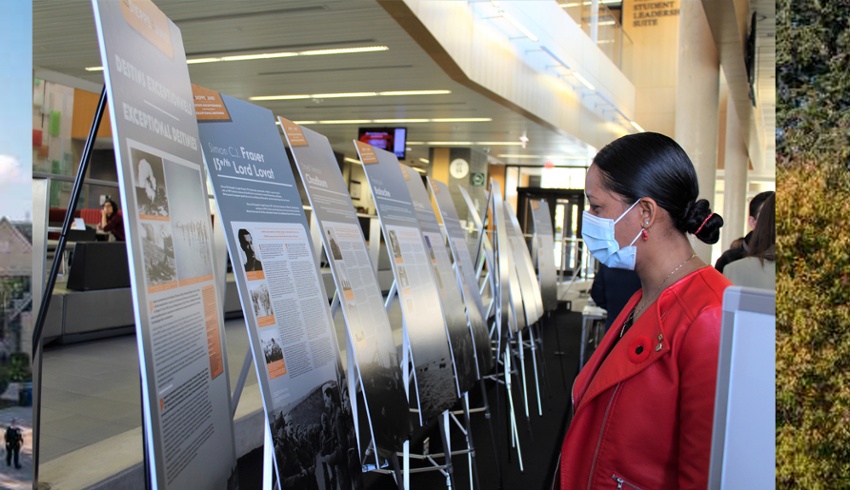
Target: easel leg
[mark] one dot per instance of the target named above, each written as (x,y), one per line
(520,349)
(400,480)
(514,432)
(268,455)
(447,448)
(474,484)
(533,343)
(488,416)
(560,354)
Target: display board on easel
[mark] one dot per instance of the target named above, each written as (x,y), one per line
(460,332)
(179,321)
(283,297)
(424,322)
(465,272)
(372,351)
(544,239)
(530,289)
(510,297)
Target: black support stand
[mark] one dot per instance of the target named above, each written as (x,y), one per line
(51,279)
(38,330)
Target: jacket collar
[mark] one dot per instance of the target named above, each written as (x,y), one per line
(642,345)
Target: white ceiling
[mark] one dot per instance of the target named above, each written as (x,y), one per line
(64,41)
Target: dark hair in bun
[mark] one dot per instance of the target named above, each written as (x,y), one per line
(653,165)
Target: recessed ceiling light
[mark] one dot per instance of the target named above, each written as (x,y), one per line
(395,121)
(399,121)
(414,92)
(346,121)
(499,143)
(363,49)
(425,161)
(583,80)
(280,97)
(461,119)
(340,95)
(280,54)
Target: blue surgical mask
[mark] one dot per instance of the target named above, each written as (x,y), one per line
(598,235)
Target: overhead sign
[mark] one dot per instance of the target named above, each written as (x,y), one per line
(179,319)
(478,179)
(290,328)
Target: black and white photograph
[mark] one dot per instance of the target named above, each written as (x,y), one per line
(315,443)
(394,247)
(272,349)
(336,252)
(430,249)
(158,249)
(149,177)
(260,299)
(189,209)
(250,252)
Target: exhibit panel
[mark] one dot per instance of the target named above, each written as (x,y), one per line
(289,324)
(465,272)
(179,322)
(374,347)
(532,302)
(483,244)
(424,323)
(544,239)
(460,332)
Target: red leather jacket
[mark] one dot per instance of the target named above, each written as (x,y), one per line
(643,414)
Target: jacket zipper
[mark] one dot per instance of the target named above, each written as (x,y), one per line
(621,482)
(601,432)
(573,400)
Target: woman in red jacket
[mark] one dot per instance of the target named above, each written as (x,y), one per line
(644,402)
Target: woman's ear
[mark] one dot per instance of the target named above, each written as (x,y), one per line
(648,212)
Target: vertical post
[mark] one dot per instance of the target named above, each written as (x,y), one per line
(268,455)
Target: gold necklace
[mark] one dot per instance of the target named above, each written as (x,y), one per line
(636,311)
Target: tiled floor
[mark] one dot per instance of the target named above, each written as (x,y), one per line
(91,390)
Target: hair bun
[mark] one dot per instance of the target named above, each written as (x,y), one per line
(702,222)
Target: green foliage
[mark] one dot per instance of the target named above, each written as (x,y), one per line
(812,216)
(19,367)
(812,338)
(813,80)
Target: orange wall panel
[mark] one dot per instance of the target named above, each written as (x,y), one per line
(85,105)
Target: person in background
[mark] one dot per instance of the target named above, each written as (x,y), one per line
(758,268)
(644,402)
(111,221)
(14,439)
(612,289)
(737,252)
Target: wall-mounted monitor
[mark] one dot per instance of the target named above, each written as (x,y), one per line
(390,139)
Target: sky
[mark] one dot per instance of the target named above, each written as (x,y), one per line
(16,109)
